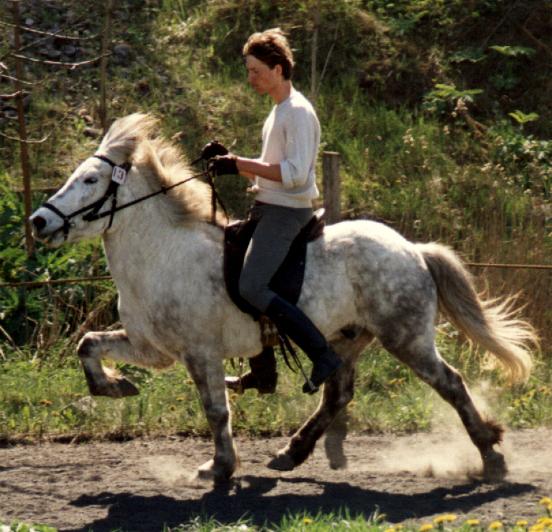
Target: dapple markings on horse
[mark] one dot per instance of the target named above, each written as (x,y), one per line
(363,281)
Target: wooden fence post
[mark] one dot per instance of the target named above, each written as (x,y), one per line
(23,147)
(332,186)
(106,36)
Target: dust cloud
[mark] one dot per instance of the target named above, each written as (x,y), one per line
(171,471)
(446,451)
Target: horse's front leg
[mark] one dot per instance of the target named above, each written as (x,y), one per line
(115,345)
(208,375)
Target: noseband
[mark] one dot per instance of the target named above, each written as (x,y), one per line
(118,177)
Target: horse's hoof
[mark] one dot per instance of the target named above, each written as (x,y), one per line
(210,472)
(126,387)
(338,462)
(206,471)
(281,462)
(115,388)
(334,453)
(494,467)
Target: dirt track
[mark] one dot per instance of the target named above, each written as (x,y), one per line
(141,485)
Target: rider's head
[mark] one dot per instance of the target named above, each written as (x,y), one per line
(271,48)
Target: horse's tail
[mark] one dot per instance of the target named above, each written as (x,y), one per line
(492,324)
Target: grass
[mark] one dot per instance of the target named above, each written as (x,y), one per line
(46,398)
(343,521)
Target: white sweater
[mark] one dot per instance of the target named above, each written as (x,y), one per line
(291,137)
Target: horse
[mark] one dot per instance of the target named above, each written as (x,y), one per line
(363,281)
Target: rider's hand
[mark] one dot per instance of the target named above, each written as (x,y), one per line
(212,149)
(224,165)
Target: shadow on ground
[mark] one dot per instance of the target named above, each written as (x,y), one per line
(250,497)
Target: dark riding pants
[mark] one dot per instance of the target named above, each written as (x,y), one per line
(277,228)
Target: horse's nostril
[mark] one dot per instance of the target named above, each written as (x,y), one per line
(38,222)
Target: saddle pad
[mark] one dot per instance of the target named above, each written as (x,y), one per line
(287,281)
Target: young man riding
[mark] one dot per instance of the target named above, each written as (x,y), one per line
(284,181)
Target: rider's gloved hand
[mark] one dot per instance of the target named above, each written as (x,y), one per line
(212,149)
(224,165)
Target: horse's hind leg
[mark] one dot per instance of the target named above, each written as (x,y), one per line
(432,369)
(335,436)
(337,393)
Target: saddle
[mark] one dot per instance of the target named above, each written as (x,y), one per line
(288,280)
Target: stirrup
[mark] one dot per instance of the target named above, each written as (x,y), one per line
(322,370)
(309,387)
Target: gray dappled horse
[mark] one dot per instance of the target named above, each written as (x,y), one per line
(363,281)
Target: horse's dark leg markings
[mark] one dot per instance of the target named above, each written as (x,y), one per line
(208,376)
(105,381)
(448,383)
(337,393)
(335,436)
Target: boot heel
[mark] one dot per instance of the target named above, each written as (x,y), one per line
(323,368)
(309,387)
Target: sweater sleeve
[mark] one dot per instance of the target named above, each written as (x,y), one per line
(300,147)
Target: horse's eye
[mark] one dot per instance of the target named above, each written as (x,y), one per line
(91,180)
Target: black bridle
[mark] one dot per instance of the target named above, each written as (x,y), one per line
(118,177)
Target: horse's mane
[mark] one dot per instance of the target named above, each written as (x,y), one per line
(133,138)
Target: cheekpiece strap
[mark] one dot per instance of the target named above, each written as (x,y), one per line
(119,172)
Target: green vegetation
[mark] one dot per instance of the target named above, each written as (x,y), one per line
(343,521)
(440,111)
(47,398)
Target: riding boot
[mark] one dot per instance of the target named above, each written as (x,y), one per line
(263,375)
(304,333)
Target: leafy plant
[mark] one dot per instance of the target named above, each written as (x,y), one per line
(529,160)
(513,51)
(521,118)
(450,93)
(470,55)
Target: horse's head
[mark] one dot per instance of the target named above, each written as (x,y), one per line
(70,214)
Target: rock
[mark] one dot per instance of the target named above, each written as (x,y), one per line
(71,16)
(143,86)
(69,50)
(10,112)
(53,54)
(84,113)
(92,132)
(123,54)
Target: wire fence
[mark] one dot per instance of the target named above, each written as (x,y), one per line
(99,278)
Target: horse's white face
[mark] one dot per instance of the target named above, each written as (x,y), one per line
(86,185)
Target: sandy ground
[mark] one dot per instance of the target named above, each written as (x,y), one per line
(141,485)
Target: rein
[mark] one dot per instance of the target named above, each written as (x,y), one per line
(118,177)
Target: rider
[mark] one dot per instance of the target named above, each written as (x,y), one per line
(284,181)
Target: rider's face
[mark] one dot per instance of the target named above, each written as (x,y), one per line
(261,77)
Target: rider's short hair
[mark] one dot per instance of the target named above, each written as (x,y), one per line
(272,48)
